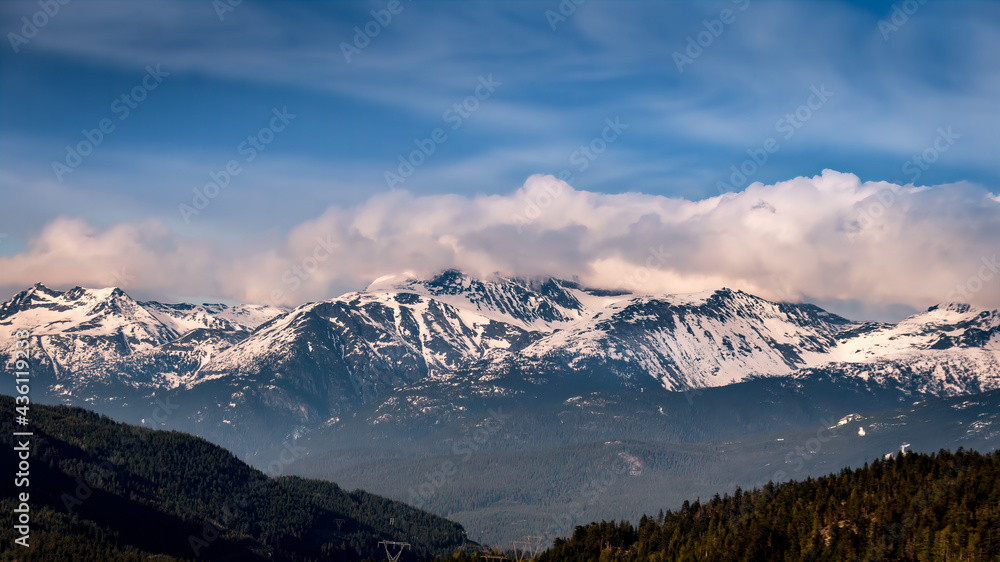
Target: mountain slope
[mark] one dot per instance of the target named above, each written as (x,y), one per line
(695,341)
(943,506)
(105,489)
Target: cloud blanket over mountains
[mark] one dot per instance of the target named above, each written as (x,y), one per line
(829,238)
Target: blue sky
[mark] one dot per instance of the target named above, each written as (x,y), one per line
(555,84)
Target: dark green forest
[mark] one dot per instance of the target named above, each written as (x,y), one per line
(936,507)
(105,491)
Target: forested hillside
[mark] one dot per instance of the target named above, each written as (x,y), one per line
(105,491)
(943,506)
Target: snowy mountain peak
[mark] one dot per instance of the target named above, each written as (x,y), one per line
(947,312)
(389,282)
(35,295)
(959,307)
(42,308)
(951,316)
(104,330)
(533,304)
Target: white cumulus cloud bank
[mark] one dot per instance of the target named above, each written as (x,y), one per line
(826,238)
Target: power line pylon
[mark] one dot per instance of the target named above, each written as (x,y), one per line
(521,550)
(402,546)
(536,545)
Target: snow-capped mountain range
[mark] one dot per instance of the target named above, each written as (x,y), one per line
(321,360)
(82,336)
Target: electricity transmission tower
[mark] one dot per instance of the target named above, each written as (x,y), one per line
(521,550)
(536,545)
(528,548)
(402,546)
